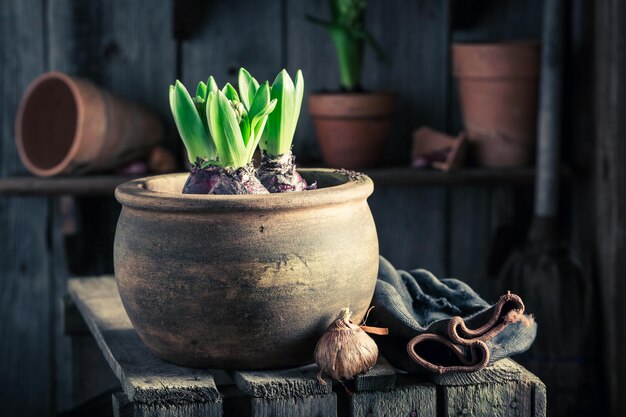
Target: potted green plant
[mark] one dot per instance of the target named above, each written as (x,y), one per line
(352,125)
(221,280)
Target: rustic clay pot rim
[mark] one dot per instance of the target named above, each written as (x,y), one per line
(352,105)
(497,44)
(80,120)
(493,61)
(134,194)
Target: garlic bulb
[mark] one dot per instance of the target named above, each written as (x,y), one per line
(345,350)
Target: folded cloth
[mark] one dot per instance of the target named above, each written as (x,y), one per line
(443,325)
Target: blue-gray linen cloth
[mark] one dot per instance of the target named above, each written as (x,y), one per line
(442,325)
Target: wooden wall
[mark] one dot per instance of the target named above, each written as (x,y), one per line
(136,48)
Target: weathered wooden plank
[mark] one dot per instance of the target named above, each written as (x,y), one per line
(309,48)
(502,389)
(248,35)
(399,176)
(312,405)
(127,48)
(610,188)
(90,373)
(287,392)
(411,227)
(407,400)
(144,378)
(381,377)
(419,62)
(295,382)
(88,185)
(123,407)
(62,366)
(471,237)
(503,370)
(27,386)
(485,400)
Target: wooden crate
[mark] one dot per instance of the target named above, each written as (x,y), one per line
(152,387)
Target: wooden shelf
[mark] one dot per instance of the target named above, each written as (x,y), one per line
(85,185)
(408,177)
(396,176)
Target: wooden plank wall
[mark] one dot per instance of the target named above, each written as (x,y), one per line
(129,47)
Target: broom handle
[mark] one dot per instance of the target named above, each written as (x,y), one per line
(549,126)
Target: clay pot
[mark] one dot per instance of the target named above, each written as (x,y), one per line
(352,128)
(243,282)
(68,125)
(498,86)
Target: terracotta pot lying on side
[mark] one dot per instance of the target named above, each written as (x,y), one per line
(498,87)
(243,282)
(352,128)
(68,125)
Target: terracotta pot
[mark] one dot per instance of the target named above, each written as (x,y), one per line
(498,86)
(440,151)
(68,125)
(352,128)
(243,282)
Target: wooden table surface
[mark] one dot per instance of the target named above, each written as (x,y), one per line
(152,387)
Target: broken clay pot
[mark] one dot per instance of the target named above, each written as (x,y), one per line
(68,125)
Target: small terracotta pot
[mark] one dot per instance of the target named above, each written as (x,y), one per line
(68,125)
(352,128)
(243,281)
(498,86)
(429,144)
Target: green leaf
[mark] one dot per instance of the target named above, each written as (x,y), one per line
(299,94)
(230,92)
(201,91)
(226,132)
(244,127)
(257,133)
(212,85)
(189,124)
(260,102)
(278,136)
(248,87)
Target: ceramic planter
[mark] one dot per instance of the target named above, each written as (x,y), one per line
(243,282)
(498,86)
(68,125)
(352,128)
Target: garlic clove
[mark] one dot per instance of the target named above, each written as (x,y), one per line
(345,350)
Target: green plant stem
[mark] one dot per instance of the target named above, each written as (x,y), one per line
(350,56)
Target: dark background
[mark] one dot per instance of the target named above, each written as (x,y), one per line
(137,48)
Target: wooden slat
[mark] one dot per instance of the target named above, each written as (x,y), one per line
(411,227)
(380,378)
(419,400)
(504,370)
(248,35)
(419,62)
(392,176)
(27,382)
(287,392)
(296,382)
(87,185)
(308,47)
(463,177)
(144,378)
(314,406)
(127,48)
(609,191)
(503,389)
